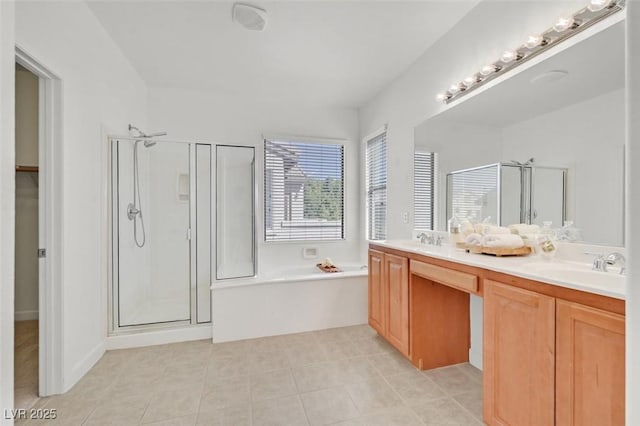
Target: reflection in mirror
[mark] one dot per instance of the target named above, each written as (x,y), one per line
(506,194)
(574,123)
(235,220)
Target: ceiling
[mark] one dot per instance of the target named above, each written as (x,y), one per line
(594,66)
(338,53)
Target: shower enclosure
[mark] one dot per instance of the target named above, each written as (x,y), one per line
(169,202)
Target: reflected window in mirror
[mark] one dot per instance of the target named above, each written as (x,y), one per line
(376,182)
(425,185)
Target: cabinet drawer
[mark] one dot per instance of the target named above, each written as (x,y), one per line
(456,279)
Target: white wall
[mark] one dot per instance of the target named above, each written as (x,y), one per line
(231,120)
(478,38)
(7,188)
(633,212)
(102,93)
(26,258)
(588,139)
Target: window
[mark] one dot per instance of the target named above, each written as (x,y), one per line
(303,191)
(425,184)
(376,182)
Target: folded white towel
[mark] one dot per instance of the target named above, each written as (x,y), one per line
(502,241)
(473,239)
(486,229)
(523,228)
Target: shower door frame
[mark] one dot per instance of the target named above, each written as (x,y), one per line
(115,328)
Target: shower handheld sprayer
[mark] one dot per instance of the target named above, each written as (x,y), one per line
(134,209)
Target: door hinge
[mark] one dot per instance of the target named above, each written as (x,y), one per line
(42,253)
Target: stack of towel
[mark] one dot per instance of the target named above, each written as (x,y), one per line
(495,240)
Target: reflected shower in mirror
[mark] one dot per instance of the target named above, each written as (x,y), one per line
(235,207)
(574,123)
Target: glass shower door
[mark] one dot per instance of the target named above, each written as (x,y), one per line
(152,210)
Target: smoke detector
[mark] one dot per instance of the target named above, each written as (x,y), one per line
(250,17)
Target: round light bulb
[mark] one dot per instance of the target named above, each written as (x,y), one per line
(509,56)
(441,97)
(488,69)
(597,5)
(563,23)
(533,41)
(471,80)
(454,88)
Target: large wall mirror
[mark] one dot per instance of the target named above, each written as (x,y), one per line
(566,112)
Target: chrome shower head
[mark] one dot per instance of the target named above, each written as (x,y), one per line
(149,144)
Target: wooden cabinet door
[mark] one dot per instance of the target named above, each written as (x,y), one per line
(397,280)
(519,356)
(590,356)
(377,288)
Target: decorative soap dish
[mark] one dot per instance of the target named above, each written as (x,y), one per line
(498,251)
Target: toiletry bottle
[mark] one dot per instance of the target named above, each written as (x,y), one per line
(453,227)
(547,246)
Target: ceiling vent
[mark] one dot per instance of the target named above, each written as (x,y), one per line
(250,17)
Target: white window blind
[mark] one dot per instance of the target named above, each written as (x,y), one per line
(303,191)
(376,185)
(425,184)
(472,194)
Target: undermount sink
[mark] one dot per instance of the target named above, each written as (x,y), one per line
(573,271)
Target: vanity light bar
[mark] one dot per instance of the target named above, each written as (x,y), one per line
(564,28)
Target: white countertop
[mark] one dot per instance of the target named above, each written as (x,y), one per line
(563,273)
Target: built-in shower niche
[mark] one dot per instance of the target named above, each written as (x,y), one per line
(161,233)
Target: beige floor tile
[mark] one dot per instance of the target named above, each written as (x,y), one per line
(444,412)
(338,350)
(373,395)
(123,410)
(452,380)
(472,371)
(271,385)
(263,362)
(356,370)
(226,392)
(318,376)
(285,411)
(179,421)
(472,402)
(414,388)
(265,344)
(398,416)
(389,364)
(229,349)
(363,331)
(229,416)
(372,346)
(329,406)
(172,404)
(25,357)
(305,354)
(228,367)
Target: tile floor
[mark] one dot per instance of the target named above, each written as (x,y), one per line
(343,376)
(26,364)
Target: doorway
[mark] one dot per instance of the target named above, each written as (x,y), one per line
(38,344)
(26,279)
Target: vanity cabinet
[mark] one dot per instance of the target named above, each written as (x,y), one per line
(389,298)
(590,372)
(549,361)
(377,298)
(519,356)
(397,293)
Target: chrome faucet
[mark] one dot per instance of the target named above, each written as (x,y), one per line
(600,262)
(616,258)
(425,238)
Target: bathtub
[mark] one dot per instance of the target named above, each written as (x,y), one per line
(288,301)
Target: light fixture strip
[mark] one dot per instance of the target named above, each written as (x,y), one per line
(582,19)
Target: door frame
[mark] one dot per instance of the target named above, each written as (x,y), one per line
(50,222)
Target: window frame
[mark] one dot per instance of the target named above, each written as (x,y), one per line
(305,140)
(365,144)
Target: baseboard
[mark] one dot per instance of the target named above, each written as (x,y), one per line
(83,367)
(159,337)
(25,315)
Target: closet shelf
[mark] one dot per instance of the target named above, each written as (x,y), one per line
(32,169)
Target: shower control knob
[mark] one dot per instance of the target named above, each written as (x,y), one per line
(132,211)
